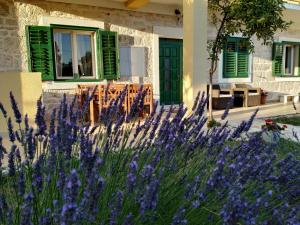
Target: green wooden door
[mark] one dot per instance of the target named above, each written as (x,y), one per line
(170,71)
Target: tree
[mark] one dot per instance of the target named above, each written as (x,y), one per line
(247,18)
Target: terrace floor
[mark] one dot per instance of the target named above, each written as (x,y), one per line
(237,115)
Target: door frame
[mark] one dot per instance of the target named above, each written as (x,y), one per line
(161,32)
(178,42)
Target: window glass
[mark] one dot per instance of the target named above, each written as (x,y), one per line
(63,54)
(84,55)
(288,60)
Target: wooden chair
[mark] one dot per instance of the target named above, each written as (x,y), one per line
(110,92)
(133,91)
(83,92)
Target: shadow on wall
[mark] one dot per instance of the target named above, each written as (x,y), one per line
(26,88)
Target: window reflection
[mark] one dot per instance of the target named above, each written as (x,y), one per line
(84,55)
(63,54)
(288,60)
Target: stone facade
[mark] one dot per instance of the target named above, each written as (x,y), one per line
(134,28)
(10,54)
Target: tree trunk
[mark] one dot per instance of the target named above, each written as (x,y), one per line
(210,108)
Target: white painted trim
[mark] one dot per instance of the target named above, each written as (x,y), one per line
(292,6)
(168,32)
(287,39)
(52,85)
(161,32)
(234,80)
(288,79)
(48,20)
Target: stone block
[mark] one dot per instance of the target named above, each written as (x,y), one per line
(4,8)
(3,33)
(11,22)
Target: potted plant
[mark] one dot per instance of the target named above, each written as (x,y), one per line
(264,96)
(272,131)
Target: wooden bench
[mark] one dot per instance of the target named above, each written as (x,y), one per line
(289,98)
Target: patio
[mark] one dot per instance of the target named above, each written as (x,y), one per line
(237,115)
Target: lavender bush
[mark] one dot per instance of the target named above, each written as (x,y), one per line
(167,169)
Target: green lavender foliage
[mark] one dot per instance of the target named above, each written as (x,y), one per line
(165,169)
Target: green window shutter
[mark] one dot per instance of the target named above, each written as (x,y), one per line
(40,51)
(277,57)
(230,59)
(242,60)
(109,49)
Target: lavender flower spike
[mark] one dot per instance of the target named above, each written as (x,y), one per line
(11,133)
(15,108)
(2,109)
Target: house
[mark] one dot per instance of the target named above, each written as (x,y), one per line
(141,41)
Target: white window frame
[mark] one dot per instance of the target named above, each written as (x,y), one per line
(292,59)
(74,53)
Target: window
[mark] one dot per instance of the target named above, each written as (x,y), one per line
(73,53)
(286,59)
(236,58)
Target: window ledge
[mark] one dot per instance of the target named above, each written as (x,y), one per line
(287,79)
(235,80)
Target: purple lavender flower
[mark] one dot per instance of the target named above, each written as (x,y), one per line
(116,208)
(21,183)
(15,108)
(228,107)
(69,211)
(46,219)
(31,147)
(40,118)
(128,219)
(2,109)
(250,121)
(2,151)
(11,132)
(37,176)
(11,161)
(131,177)
(178,218)
(27,210)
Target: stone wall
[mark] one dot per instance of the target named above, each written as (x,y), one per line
(10,55)
(262,71)
(134,29)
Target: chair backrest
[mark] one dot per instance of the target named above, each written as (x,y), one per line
(226,86)
(216,87)
(110,92)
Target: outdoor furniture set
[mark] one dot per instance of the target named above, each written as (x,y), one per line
(105,94)
(243,96)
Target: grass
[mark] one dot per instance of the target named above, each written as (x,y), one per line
(292,120)
(286,146)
